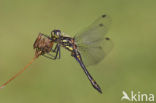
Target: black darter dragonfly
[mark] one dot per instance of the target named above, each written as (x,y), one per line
(88,47)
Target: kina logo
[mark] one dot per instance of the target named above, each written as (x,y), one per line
(137,96)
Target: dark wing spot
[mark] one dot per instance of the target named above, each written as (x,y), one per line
(101,25)
(107,38)
(104,15)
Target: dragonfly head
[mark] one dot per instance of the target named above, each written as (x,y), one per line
(55,34)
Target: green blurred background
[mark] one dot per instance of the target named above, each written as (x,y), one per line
(130,65)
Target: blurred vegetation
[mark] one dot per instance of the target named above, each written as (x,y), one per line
(130,65)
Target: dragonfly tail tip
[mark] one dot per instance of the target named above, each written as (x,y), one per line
(100,91)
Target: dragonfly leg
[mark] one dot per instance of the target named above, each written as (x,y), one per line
(54,50)
(92,81)
(59,52)
(49,57)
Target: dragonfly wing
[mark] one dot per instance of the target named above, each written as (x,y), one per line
(93,54)
(94,32)
(92,43)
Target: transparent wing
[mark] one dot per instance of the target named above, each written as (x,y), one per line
(92,43)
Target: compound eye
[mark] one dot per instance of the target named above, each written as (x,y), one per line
(58,33)
(52,33)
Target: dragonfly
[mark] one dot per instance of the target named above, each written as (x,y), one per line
(88,47)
